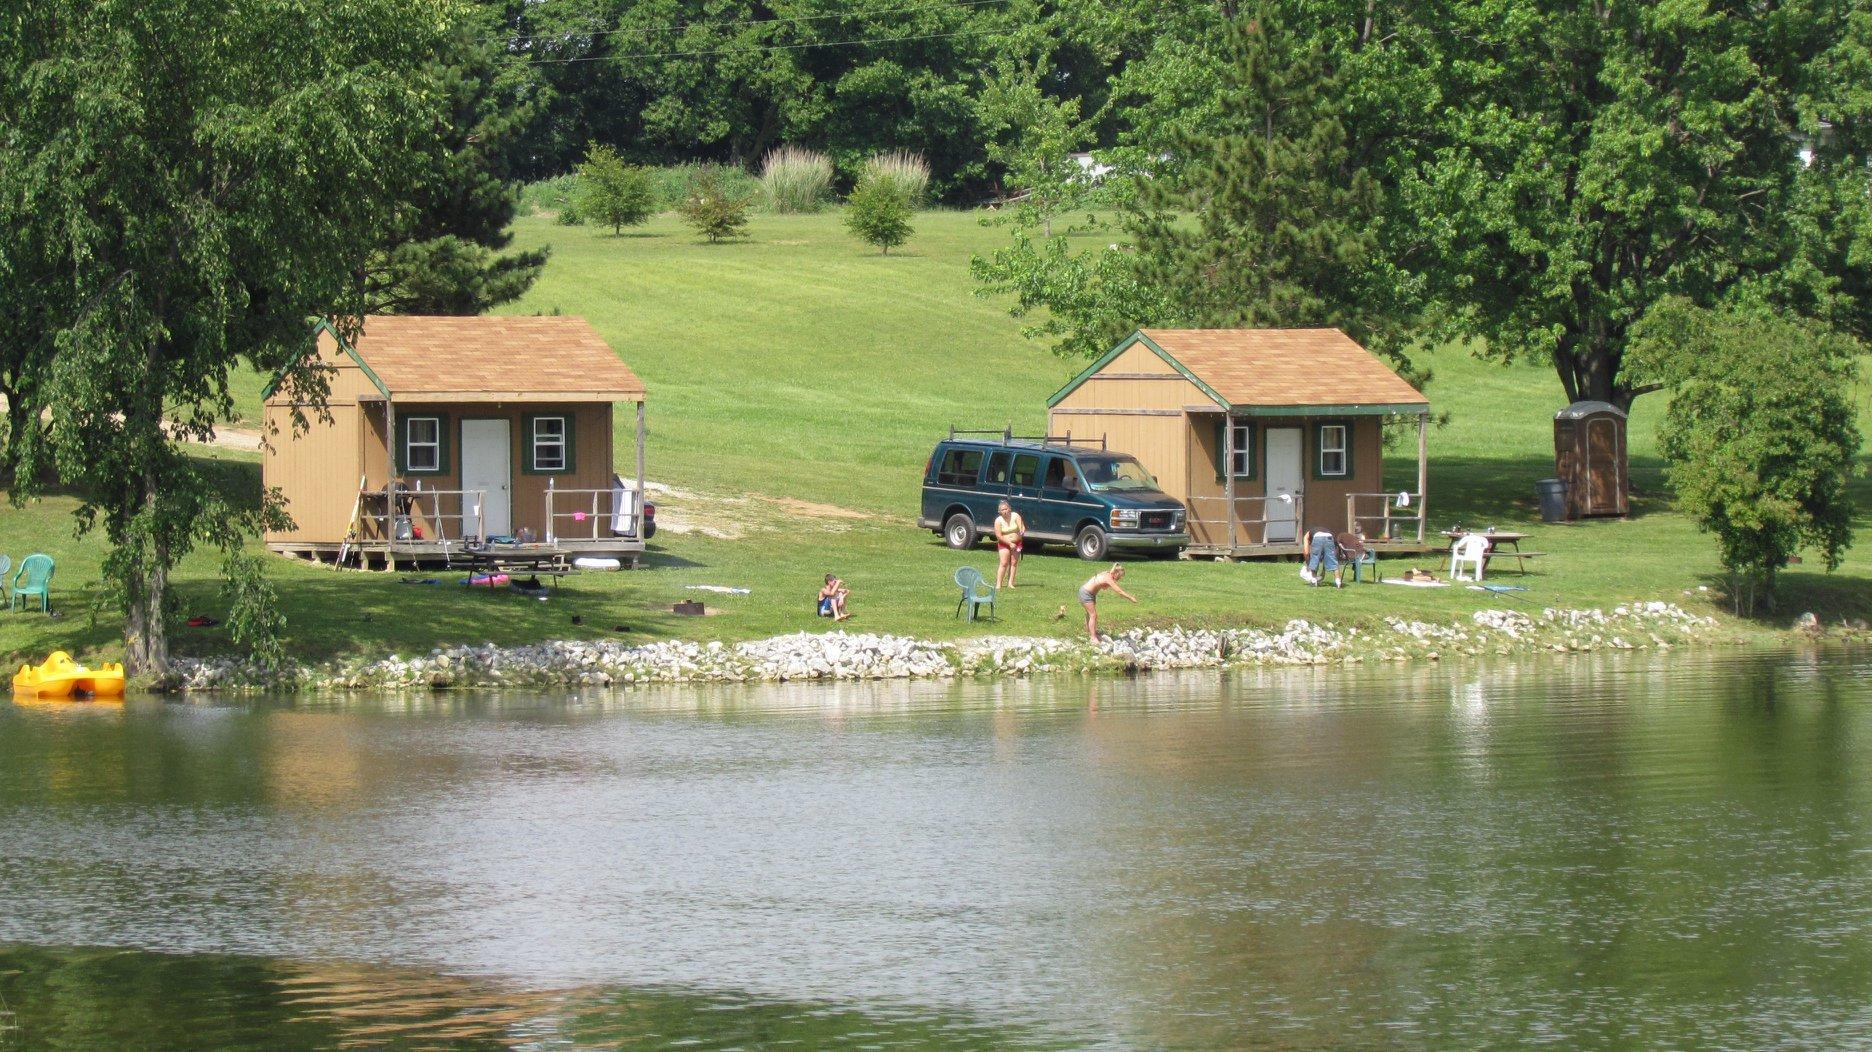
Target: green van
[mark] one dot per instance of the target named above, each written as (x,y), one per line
(1086,496)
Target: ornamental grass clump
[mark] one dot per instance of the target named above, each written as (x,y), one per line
(795,179)
(908,172)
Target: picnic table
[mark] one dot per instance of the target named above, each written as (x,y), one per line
(531,560)
(1498,538)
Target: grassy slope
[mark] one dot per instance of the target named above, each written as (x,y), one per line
(799,365)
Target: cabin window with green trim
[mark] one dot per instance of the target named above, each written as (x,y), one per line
(1334,446)
(422,445)
(550,439)
(1234,449)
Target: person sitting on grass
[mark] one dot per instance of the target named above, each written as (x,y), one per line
(1088,595)
(1322,555)
(832,598)
(1010,531)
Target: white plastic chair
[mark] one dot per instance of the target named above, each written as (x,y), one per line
(1471,549)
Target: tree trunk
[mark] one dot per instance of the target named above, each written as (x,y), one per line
(146,638)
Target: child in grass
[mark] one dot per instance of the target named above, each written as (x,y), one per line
(832,598)
(1088,595)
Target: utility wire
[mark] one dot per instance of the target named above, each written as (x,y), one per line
(760,48)
(677,27)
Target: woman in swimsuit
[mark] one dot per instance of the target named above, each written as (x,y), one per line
(1088,595)
(1009,530)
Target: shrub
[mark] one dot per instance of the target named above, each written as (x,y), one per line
(1759,434)
(795,179)
(673,182)
(879,213)
(716,208)
(557,196)
(907,171)
(614,193)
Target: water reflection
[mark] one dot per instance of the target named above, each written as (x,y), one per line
(1617,849)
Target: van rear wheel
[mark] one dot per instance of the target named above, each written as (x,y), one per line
(959,532)
(1092,544)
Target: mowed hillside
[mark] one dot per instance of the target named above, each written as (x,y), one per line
(799,363)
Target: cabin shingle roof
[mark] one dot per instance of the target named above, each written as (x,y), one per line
(1287,367)
(438,357)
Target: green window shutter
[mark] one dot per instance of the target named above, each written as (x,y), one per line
(529,464)
(442,444)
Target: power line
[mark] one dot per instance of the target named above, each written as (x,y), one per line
(676,27)
(761,48)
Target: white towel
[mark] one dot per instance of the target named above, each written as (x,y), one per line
(1403,498)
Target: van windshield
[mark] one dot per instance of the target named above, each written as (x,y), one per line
(1115,475)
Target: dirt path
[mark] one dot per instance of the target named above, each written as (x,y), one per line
(682,511)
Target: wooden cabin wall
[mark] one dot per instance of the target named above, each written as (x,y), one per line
(317,470)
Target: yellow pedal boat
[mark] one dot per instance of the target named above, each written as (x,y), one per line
(61,677)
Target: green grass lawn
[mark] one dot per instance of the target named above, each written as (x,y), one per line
(799,365)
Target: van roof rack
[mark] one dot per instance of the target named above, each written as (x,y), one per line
(1007,436)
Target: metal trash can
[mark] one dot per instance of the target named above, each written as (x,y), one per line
(1552,496)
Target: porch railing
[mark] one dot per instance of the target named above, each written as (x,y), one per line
(1212,514)
(587,514)
(1383,518)
(445,513)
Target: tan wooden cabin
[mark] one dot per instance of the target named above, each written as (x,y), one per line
(1262,433)
(449,430)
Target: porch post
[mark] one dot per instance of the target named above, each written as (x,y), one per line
(1228,475)
(1423,472)
(643,495)
(390,467)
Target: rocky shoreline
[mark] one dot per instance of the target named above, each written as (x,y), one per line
(864,656)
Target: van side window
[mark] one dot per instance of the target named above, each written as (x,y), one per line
(998,469)
(1026,467)
(1060,474)
(959,467)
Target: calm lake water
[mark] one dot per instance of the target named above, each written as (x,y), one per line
(1629,851)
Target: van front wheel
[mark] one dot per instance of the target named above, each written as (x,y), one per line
(959,532)
(1092,543)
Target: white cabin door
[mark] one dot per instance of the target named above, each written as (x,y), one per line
(1284,477)
(487,464)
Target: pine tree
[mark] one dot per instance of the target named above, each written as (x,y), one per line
(1263,219)
(445,252)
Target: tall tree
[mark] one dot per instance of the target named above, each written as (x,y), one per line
(1260,214)
(1598,157)
(1261,218)
(444,252)
(199,198)
(726,80)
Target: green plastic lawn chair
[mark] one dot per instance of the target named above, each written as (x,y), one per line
(976,592)
(35,578)
(5,565)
